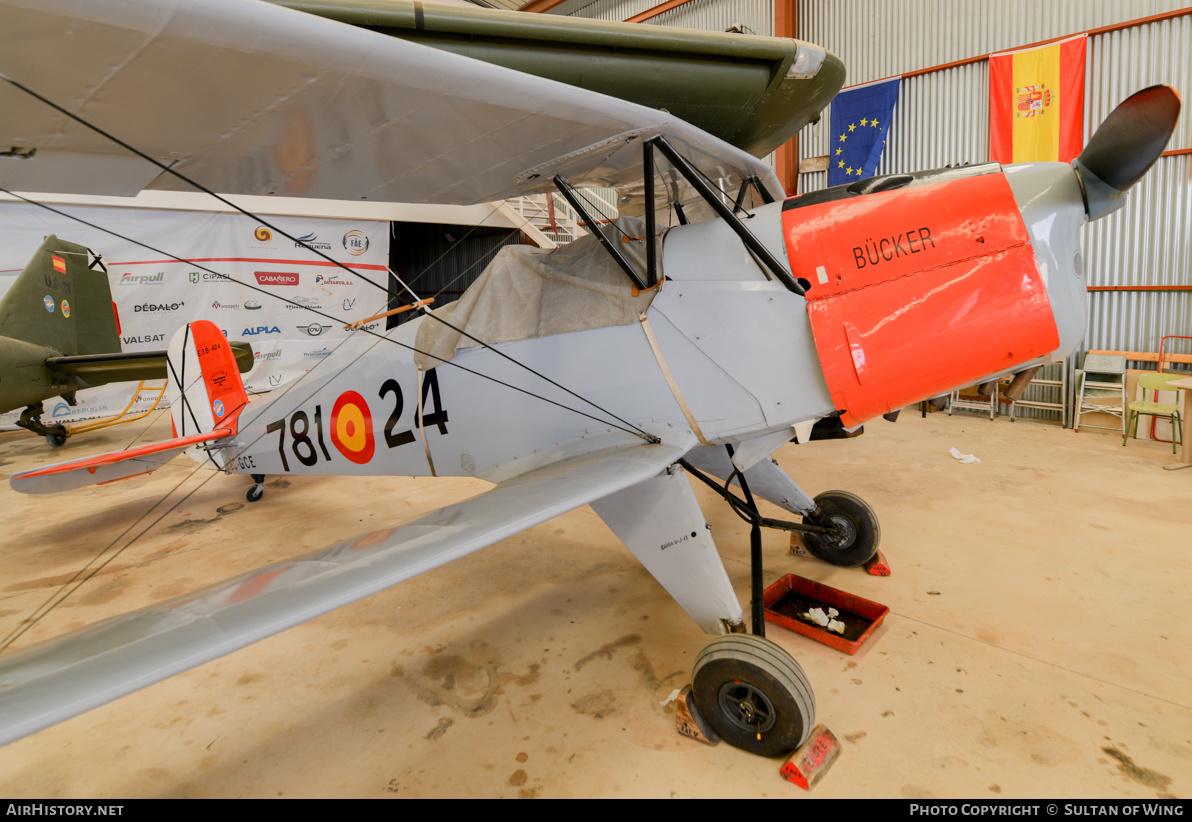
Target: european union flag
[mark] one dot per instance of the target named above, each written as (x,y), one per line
(860,122)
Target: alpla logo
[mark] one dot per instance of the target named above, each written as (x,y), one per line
(142,279)
(260,329)
(311,240)
(232,307)
(157,307)
(276,278)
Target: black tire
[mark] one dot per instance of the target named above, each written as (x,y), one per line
(255,493)
(753,694)
(57,437)
(861,532)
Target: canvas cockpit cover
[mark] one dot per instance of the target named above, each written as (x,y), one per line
(528,292)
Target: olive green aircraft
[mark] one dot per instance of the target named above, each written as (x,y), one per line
(60,332)
(752,92)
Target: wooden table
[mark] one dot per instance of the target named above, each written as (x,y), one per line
(1185,415)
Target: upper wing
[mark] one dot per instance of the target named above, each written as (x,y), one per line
(249,98)
(55,680)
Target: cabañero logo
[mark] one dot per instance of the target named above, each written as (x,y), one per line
(157,307)
(275,278)
(128,278)
(311,240)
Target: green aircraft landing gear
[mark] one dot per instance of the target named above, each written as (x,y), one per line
(31,421)
(257,490)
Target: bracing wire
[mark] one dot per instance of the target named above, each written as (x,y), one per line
(230,204)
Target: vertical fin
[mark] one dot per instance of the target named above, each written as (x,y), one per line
(61,302)
(203,382)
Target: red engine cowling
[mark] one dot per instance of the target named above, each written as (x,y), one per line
(918,284)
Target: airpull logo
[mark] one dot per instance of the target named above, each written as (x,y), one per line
(143,279)
(275,278)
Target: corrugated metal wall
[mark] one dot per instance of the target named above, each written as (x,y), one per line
(943,119)
(756,16)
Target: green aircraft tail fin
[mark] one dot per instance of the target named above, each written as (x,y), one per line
(62,301)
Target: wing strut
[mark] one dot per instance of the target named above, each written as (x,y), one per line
(569,194)
(712,197)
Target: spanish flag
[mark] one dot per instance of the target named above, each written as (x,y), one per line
(59,263)
(1036,103)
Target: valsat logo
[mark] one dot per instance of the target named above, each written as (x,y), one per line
(275,278)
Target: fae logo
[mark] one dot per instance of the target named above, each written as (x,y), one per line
(275,278)
(260,329)
(355,242)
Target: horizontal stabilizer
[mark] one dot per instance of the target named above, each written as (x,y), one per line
(97,369)
(116,465)
(55,680)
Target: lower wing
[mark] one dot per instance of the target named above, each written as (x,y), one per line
(58,679)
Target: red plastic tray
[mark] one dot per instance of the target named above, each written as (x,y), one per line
(793,594)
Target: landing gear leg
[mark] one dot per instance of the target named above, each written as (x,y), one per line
(258,488)
(31,420)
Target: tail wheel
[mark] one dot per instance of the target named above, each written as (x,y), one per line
(856,531)
(753,694)
(57,437)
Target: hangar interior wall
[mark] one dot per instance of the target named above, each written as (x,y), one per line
(942,119)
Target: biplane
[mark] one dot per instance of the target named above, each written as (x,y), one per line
(706,326)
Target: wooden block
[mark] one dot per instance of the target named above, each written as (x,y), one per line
(688,721)
(797,547)
(811,761)
(877,565)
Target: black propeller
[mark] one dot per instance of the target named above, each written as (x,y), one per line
(1124,147)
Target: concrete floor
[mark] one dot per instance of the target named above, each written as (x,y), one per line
(1037,645)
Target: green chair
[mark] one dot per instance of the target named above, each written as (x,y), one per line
(1161,410)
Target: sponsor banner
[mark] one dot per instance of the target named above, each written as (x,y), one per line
(253,283)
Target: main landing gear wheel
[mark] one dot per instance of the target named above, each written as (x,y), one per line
(753,694)
(56,437)
(857,532)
